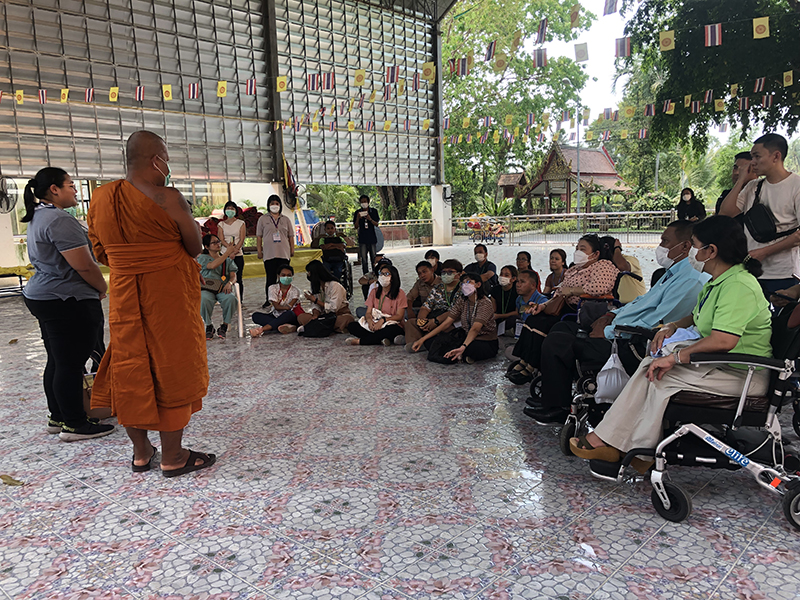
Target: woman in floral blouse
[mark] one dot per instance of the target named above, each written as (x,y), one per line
(587,275)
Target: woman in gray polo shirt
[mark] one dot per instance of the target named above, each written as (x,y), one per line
(64,295)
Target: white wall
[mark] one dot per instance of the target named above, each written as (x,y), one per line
(257,193)
(8,249)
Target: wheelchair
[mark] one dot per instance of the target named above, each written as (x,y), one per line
(346,277)
(726,432)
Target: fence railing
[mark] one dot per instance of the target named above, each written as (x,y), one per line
(397,234)
(629,227)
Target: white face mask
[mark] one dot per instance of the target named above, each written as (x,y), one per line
(504,280)
(662,259)
(580,258)
(432,262)
(365,205)
(385,280)
(274,208)
(686,197)
(697,265)
(480,257)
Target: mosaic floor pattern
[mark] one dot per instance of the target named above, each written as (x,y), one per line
(349,472)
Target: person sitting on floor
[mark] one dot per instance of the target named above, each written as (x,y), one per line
(327,296)
(220,269)
(672,297)
(283,298)
(474,310)
(558,266)
(440,300)
(483,266)
(731,315)
(386,309)
(426,280)
(432,256)
(369,280)
(589,275)
(504,299)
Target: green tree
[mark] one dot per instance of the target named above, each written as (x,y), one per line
(473,168)
(338,201)
(692,68)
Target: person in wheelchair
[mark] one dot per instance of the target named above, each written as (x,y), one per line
(731,315)
(589,274)
(628,288)
(334,254)
(672,297)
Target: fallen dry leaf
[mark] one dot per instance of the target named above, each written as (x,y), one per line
(8,480)
(14,341)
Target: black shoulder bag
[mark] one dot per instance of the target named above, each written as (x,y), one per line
(760,221)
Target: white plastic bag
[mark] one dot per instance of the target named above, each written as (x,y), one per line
(611,379)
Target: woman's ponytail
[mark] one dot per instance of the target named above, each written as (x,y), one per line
(753,266)
(38,188)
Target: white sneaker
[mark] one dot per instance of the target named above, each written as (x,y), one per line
(400,340)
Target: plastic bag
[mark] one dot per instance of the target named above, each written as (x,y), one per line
(611,379)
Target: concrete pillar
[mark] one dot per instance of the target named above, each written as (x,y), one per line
(442,213)
(11,254)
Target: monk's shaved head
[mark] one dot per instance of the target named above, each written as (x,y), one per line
(143,146)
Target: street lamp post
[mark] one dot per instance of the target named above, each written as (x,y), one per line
(567,81)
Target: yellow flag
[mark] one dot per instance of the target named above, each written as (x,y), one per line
(429,71)
(586,113)
(500,62)
(401,87)
(524,139)
(166,90)
(557,135)
(574,16)
(509,120)
(496,137)
(460,137)
(760,28)
(516,131)
(623,134)
(20,96)
(113,94)
(282,84)
(465,123)
(64,95)
(387,125)
(222,89)
(351,126)
(517,39)
(316,114)
(546,118)
(315,126)
(470,59)
(687,101)
(788,79)
(372,96)
(671,108)
(629,112)
(734,90)
(719,104)
(589,136)
(352,102)
(426,123)
(666,40)
(572,123)
(360,78)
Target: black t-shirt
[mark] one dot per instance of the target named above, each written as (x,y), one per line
(694,208)
(480,270)
(506,300)
(366,230)
(335,255)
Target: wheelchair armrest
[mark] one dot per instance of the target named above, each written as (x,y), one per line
(645,332)
(737,359)
(629,274)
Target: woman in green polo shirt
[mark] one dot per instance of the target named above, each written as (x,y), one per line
(731,315)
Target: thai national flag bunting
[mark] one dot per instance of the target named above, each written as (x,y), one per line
(744,103)
(615,116)
(610,7)
(531,119)
(766,101)
(139,93)
(361,101)
(565,115)
(446,123)
(540,58)
(713,35)
(528,130)
(759,86)
(623,46)
(407,125)
(487,121)
(650,110)
(643,134)
(490,50)
(387,92)
(695,106)
(606,135)
(540,137)
(541,33)
(370,125)
(572,137)
(667,106)
(607,114)
(333,126)
(328,81)
(452,63)
(708,96)
(88,96)
(322,111)
(194,91)
(313,82)
(250,88)
(416,82)
(463,67)
(42,96)
(723,128)
(392,74)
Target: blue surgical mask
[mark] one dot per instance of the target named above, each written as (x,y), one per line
(230,213)
(168,175)
(286,280)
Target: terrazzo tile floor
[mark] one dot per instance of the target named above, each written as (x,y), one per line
(348,472)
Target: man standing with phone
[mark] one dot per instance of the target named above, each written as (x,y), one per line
(365,220)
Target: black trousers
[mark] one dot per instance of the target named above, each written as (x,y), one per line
(373,338)
(272,267)
(239,262)
(70,330)
(481,349)
(529,345)
(566,344)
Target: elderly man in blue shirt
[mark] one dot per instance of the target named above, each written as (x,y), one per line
(674,295)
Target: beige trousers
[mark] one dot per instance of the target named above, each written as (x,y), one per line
(635,418)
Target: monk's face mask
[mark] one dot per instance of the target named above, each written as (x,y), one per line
(168,174)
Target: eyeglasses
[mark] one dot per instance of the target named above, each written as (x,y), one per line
(214,242)
(448,272)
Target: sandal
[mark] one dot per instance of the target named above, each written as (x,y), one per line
(286,328)
(146,467)
(256,332)
(190,466)
(583,449)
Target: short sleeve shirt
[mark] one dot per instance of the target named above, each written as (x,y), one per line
(276,235)
(231,231)
(440,299)
(51,232)
(335,254)
(386,305)
(480,270)
(597,279)
(274,294)
(506,300)
(215,273)
(421,290)
(783,201)
(734,303)
(630,288)
(366,230)
(482,311)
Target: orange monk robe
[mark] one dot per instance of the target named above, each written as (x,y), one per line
(155,372)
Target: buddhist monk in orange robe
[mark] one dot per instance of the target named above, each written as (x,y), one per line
(154,374)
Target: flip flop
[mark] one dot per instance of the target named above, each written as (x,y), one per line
(190,466)
(583,449)
(142,468)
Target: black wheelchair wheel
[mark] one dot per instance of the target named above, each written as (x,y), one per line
(680,503)
(567,432)
(536,387)
(348,283)
(791,506)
